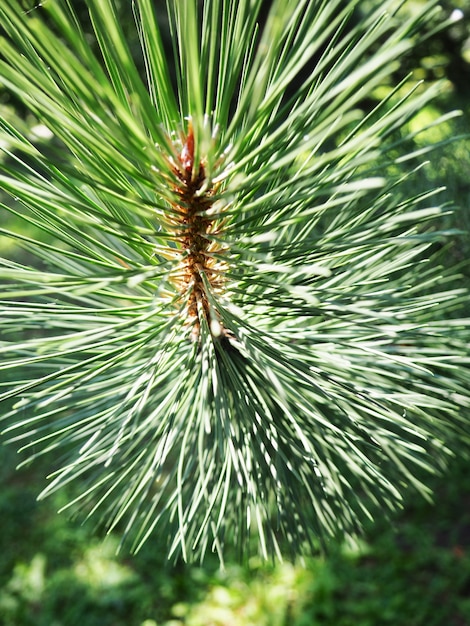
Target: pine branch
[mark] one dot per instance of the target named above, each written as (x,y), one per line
(230,320)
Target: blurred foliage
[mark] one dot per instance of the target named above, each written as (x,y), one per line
(55,573)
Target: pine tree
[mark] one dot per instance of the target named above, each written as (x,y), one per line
(229,321)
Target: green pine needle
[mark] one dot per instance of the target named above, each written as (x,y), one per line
(228,320)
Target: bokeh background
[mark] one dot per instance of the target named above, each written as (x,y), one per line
(411,571)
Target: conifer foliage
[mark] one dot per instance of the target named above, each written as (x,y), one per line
(228,324)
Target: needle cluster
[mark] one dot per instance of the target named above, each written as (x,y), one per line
(222,314)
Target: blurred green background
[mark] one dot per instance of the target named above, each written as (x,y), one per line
(412,572)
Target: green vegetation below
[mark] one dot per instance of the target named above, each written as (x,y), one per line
(54,572)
